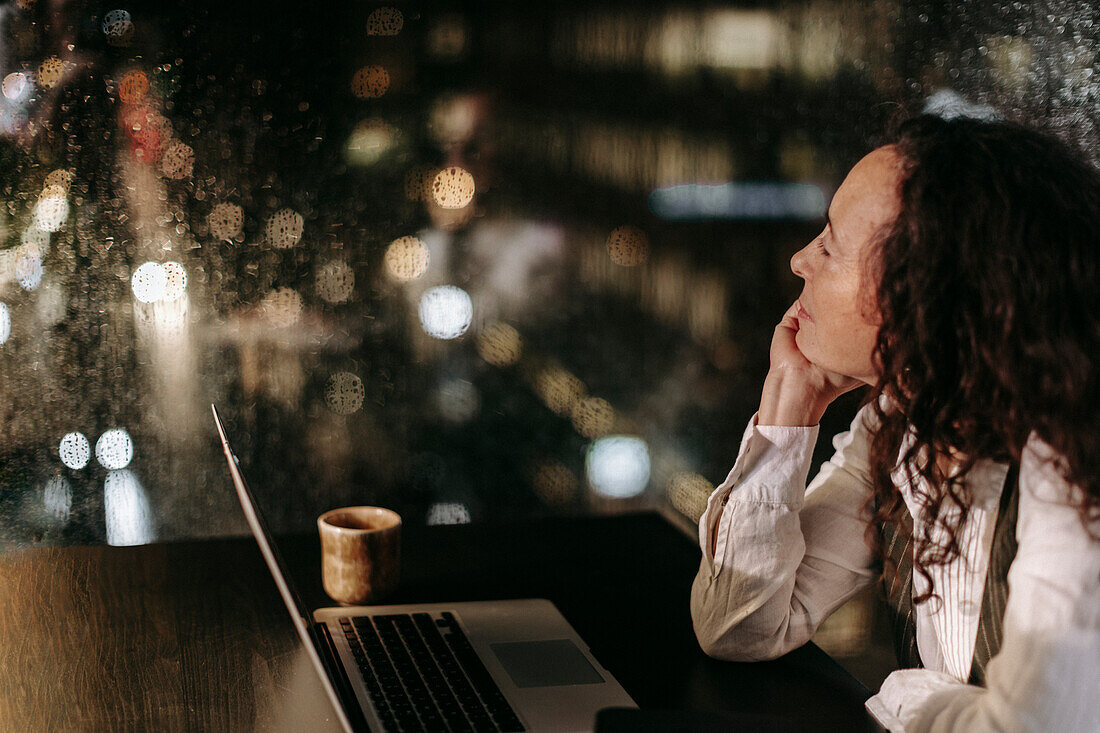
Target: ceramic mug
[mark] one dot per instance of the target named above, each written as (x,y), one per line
(360,553)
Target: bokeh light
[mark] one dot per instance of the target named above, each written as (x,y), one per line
(129,517)
(284,228)
(178,160)
(618,466)
(418,182)
(385,21)
(553,482)
(593,417)
(453,188)
(133,86)
(50,71)
(175,284)
(114,449)
(282,307)
(406,258)
(445,312)
(61,178)
(344,393)
(500,345)
(448,512)
(15,85)
(5,323)
(57,497)
(52,209)
(688,493)
(628,246)
(225,221)
(28,270)
(117,26)
(558,389)
(369,141)
(336,282)
(458,400)
(149,282)
(75,451)
(370,82)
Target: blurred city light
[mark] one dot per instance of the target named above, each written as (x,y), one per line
(5,323)
(753,200)
(149,282)
(618,466)
(385,21)
(453,188)
(74,450)
(448,512)
(406,258)
(284,228)
(114,449)
(344,393)
(175,281)
(225,221)
(500,345)
(128,515)
(445,312)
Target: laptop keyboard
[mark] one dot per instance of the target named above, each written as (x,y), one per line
(422,674)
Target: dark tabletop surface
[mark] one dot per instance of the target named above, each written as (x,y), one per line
(193,635)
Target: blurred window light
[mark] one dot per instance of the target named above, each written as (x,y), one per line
(114,449)
(344,393)
(448,512)
(949,104)
(369,142)
(385,21)
(175,281)
(149,282)
(500,345)
(618,466)
(74,450)
(129,517)
(225,221)
(740,39)
(57,497)
(445,312)
(28,270)
(5,323)
(750,200)
(453,188)
(284,228)
(406,258)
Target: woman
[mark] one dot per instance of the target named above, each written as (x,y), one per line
(958,275)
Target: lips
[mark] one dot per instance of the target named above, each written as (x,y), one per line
(802,312)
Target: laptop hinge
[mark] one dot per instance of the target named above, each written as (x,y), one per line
(330,657)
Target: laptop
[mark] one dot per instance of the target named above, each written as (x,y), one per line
(513,665)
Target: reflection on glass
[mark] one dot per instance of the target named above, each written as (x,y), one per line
(114,449)
(128,515)
(618,466)
(74,450)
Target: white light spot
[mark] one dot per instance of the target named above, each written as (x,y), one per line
(458,400)
(149,282)
(225,221)
(368,142)
(28,269)
(75,451)
(15,85)
(448,512)
(618,466)
(175,281)
(445,312)
(57,497)
(129,518)
(52,209)
(284,228)
(344,393)
(5,322)
(114,449)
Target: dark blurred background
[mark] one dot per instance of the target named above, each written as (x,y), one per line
(475,261)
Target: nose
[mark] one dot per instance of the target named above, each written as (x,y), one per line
(800,262)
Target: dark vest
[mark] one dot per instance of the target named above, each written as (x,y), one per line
(897,582)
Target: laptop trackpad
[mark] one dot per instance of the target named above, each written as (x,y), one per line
(545,663)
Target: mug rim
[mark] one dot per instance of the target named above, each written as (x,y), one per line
(324,524)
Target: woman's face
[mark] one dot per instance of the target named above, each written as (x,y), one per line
(838,321)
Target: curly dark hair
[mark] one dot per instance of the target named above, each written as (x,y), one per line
(988,284)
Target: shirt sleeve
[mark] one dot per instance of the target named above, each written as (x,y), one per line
(1045,676)
(787,555)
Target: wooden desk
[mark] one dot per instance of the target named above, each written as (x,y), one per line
(193,635)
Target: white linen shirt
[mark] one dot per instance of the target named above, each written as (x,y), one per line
(789,555)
